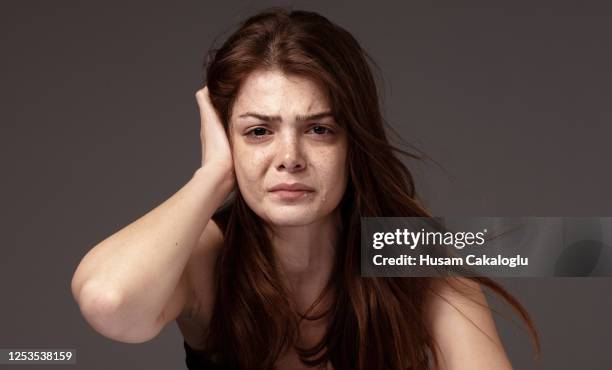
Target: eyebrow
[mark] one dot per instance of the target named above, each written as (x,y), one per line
(299,117)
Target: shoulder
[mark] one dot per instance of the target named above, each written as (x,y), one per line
(463,327)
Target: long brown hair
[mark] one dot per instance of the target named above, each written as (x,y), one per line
(374,323)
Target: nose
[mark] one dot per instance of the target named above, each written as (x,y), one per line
(290,156)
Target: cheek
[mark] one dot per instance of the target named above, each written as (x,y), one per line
(332,170)
(248,166)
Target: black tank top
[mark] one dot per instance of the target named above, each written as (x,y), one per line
(198,360)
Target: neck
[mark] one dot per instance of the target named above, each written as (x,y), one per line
(306,256)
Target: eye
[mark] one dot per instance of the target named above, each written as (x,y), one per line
(257,133)
(321,130)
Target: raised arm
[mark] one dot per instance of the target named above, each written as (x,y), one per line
(135,281)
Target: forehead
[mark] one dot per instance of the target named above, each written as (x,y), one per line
(273,92)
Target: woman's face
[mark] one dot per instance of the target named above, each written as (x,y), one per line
(280,134)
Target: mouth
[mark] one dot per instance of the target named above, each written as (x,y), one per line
(291,194)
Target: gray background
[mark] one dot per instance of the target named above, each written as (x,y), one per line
(99,125)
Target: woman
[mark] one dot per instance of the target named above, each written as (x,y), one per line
(292,132)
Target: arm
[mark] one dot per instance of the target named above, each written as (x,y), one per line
(465,330)
(123,283)
(138,279)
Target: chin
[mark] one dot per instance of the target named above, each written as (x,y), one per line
(290,216)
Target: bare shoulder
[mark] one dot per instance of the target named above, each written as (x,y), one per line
(463,327)
(199,277)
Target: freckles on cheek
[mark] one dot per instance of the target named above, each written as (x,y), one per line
(333,161)
(249,163)
(336,168)
(328,167)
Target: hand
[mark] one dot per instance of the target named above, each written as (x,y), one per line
(216,151)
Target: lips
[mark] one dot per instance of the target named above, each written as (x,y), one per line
(291,192)
(291,187)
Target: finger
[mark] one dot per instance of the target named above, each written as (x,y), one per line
(205,104)
(201,96)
